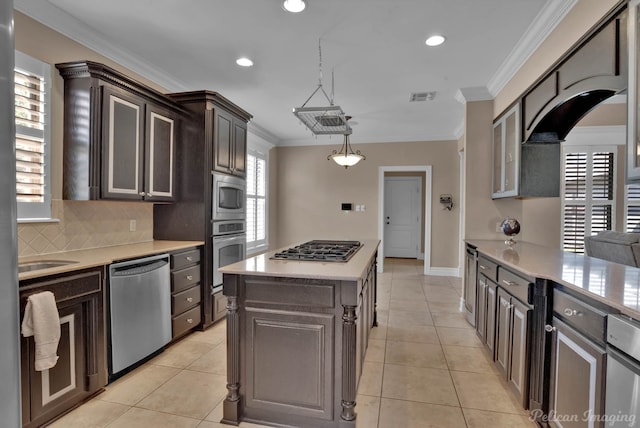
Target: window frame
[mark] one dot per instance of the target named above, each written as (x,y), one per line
(37,211)
(260,151)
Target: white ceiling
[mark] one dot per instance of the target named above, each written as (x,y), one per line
(375,48)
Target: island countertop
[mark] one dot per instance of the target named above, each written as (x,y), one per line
(263,265)
(611,283)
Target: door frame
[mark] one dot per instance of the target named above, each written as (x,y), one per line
(427,210)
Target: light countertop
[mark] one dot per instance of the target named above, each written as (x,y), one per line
(611,283)
(102,256)
(262,265)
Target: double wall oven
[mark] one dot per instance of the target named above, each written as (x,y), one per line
(228,217)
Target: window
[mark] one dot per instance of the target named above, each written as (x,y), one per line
(632,208)
(588,194)
(33,189)
(256,201)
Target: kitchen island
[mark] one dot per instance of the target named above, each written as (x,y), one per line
(297,332)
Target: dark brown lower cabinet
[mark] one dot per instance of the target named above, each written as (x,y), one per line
(81,370)
(186,291)
(219,306)
(486,312)
(577,379)
(512,333)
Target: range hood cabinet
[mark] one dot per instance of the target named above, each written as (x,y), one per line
(592,72)
(558,122)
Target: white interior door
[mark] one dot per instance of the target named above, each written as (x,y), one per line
(402,197)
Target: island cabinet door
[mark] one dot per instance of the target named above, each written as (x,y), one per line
(290,365)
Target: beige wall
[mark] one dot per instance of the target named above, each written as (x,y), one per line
(311,188)
(81,224)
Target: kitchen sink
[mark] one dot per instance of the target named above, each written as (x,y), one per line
(42,264)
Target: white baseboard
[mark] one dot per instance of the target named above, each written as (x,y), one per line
(440,271)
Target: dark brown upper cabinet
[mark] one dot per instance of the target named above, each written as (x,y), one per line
(230,144)
(119,136)
(592,71)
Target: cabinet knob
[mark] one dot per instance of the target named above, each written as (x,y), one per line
(571,312)
(189,320)
(189,258)
(189,299)
(189,277)
(149,195)
(548,328)
(141,193)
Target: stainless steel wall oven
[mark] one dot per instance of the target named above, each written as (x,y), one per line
(229,246)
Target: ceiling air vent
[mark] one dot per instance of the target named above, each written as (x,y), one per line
(422,96)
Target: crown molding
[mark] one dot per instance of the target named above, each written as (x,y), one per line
(543,24)
(474,93)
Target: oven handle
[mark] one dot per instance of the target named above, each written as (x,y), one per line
(229,239)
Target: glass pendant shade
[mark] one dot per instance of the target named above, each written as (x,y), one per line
(346,157)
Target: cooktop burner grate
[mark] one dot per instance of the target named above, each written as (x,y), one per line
(324,251)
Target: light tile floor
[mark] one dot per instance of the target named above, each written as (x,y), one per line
(424,367)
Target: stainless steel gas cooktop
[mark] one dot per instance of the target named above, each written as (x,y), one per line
(323,251)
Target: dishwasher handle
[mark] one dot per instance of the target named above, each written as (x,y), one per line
(138,269)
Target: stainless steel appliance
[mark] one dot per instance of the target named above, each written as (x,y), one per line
(623,372)
(229,246)
(139,310)
(228,197)
(325,251)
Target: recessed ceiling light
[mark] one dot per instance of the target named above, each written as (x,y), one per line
(435,40)
(244,62)
(294,6)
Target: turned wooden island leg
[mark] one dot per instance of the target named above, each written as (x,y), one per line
(348,363)
(231,406)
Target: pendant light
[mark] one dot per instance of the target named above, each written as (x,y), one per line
(346,157)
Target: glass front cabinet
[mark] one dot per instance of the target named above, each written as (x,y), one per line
(506,154)
(633,107)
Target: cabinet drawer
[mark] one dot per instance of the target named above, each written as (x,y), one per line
(180,260)
(516,285)
(182,279)
(488,268)
(186,321)
(184,300)
(585,318)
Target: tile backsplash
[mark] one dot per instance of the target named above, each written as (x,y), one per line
(86,224)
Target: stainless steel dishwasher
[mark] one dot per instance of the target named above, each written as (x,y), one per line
(139,310)
(623,372)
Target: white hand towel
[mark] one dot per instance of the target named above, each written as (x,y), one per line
(41,321)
